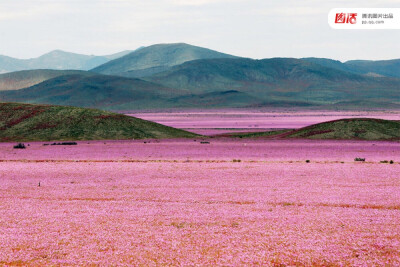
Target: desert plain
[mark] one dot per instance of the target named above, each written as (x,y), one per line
(202,201)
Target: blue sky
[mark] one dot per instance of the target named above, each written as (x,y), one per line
(251,28)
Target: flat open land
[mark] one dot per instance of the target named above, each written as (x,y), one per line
(180,202)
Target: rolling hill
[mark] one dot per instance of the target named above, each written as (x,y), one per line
(24,122)
(359,129)
(388,68)
(343,129)
(95,91)
(156,58)
(218,83)
(278,81)
(336,64)
(27,78)
(119,93)
(57,60)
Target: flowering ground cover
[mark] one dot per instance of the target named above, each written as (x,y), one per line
(255,118)
(181,202)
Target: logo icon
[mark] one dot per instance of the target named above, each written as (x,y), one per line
(346,18)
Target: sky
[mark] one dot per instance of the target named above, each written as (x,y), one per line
(247,28)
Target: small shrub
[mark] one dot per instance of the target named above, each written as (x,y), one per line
(19,146)
(384,161)
(65,144)
(308,161)
(204,142)
(236,160)
(391,162)
(359,159)
(69,143)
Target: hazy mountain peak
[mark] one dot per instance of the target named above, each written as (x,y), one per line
(156,58)
(58,60)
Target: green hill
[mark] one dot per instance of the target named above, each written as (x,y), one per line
(279,80)
(359,129)
(389,68)
(336,64)
(350,129)
(219,83)
(95,91)
(156,58)
(24,122)
(27,78)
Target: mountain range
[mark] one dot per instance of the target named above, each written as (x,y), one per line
(390,68)
(57,60)
(181,76)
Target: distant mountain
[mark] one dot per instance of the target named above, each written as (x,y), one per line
(219,83)
(336,64)
(278,81)
(389,68)
(24,122)
(57,60)
(230,98)
(27,78)
(120,54)
(95,91)
(156,58)
(86,89)
(8,64)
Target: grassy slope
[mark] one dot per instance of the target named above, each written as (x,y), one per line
(357,129)
(24,122)
(362,129)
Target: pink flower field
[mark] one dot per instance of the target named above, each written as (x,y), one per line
(179,202)
(254,119)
